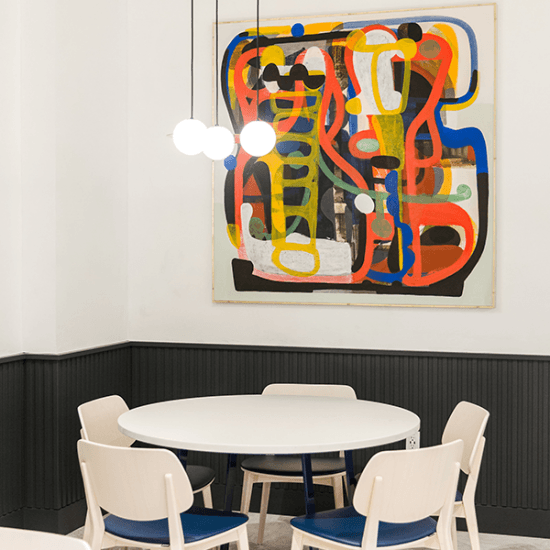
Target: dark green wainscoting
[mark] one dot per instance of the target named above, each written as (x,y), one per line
(40,485)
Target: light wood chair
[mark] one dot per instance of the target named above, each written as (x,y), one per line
(148,496)
(288,469)
(98,419)
(24,539)
(397,493)
(467,422)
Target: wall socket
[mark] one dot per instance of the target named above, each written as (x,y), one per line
(413,441)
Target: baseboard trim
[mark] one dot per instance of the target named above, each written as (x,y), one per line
(13,519)
(61,521)
(513,521)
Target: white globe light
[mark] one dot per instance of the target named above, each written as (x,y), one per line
(189,135)
(258,138)
(219,143)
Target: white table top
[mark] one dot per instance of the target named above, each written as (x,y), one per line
(268,424)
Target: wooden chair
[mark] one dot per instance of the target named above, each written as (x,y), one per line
(397,493)
(148,496)
(467,422)
(98,419)
(23,539)
(288,469)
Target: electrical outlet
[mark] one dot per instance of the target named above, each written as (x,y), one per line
(413,441)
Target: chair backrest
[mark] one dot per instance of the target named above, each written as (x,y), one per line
(467,422)
(312,390)
(409,485)
(133,483)
(98,419)
(23,539)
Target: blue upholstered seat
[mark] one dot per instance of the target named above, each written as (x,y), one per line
(197,524)
(346,526)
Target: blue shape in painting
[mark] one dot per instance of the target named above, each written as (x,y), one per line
(298,30)
(230,162)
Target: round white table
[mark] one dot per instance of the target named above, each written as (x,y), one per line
(270,424)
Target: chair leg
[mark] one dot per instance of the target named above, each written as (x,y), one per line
(453,533)
(266,488)
(246,495)
(297,540)
(338,492)
(446,541)
(95,539)
(242,538)
(87,527)
(471,523)
(346,489)
(207,497)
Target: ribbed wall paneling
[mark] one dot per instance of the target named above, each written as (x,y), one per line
(12,432)
(39,425)
(515,471)
(54,389)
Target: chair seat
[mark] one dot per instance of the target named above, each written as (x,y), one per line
(199,476)
(292,465)
(211,522)
(346,526)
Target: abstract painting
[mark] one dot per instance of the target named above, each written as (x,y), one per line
(380,188)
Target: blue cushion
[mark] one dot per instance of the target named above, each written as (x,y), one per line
(458,497)
(197,524)
(346,526)
(292,465)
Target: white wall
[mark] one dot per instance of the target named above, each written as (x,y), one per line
(38,181)
(63,169)
(91,162)
(170,201)
(10,179)
(106,236)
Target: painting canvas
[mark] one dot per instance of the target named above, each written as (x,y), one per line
(380,188)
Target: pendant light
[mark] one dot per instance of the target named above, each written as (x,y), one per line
(189,134)
(258,137)
(219,141)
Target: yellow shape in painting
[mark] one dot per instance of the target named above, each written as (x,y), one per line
(408,48)
(280,181)
(448,34)
(273,54)
(391,136)
(315,28)
(357,41)
(459,106)
(234,234)
(270,31)
(446,186)
(353,106)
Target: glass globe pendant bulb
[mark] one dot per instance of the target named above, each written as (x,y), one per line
(189,136)
(258,138)
(219,143)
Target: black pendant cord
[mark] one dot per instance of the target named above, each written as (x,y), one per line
(192,57)
(217,75)
(258,59)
